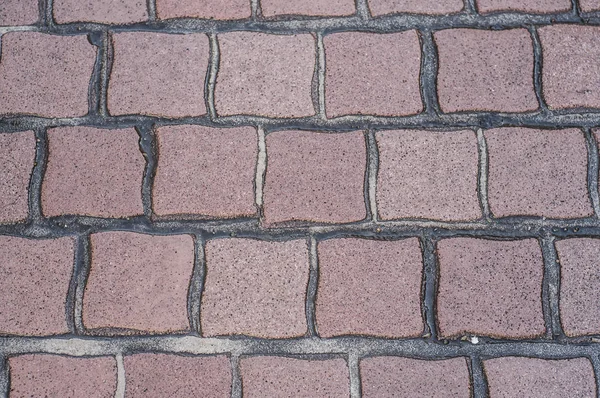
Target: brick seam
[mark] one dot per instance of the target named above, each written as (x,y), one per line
(148,146)
(538,59)
(311,288)
(211,76)
(95,97)
(319,77)
(255,9)
(551,289)
(121,377)
(196,286)
(151,8)
(429,286)
(595,360)
(107,64)
(261,171)
(592,174)
(371,175)
(4,377)
(470,7)
(236,377)
(482,175)
(479,387)
(47,13)
(81,272)
(362,9)
(354,374)
(428,73)
(34,191)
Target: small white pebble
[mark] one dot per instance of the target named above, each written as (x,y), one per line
(474,340)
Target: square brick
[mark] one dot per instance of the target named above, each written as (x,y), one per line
(206,171)
(537,173)
(101,11)
(380,7)
(19,12)
(490,288)
(158,74)
(93,172)
(570,73)
(255,288)
(210,9)
(589,5)
(372,74)
(138,282)
(535,6)
(45,75)
(369,287)
(17,156)
(482,70)
(428,174)
(315,177)
(264,74)
(272,8)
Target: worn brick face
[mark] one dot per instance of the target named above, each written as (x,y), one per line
(271,8)
(102,11)
(19,12)
(380,7)
(535,6)
(17,155)
(210,9)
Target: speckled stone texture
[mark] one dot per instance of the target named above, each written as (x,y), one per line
(210,9)
(19,12)
(490,288)
(102,11)
(272,8)
(589,5)
(255,288)
(380,7)
(535,6)
(17,156)
(369,287)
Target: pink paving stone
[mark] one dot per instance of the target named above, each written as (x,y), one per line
(138,282)
(271,8)
(45,75)
(94,172)
(41,375)
(589,5)
(535,6)
(213,9)
(482,70)
(540,378)
(315,177)
(206,171)
(427,174)
(537,173)
(404,378)
(255,288)
(369,287)
(570,73)
(374,74)
(158,74)
(290,377)
(102,11)
(19,12)
(490,288)
(164,375)
(380,7)
(264,74)
(17,156)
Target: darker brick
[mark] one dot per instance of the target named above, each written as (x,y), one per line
(380,7)
(589,5)
(17,155)
(271,8)
(102,11)
(209,9)
(535,6)
(19,12)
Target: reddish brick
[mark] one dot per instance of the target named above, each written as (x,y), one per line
(158,74)
(589,5)
(207,171)
(41,375)
(271,8)
(537,173)
(290,377)
(380,7)
(34,280)
(485,70)
(403,377)
(540,378)
(93,172)
(267,75)
(490,288)
(136,277)
(570,73)
(45,75)
(427,174)
(17,155)
(374,74)
(19,12)
(163,375)
(535,6)
(255,288)
(369,287)
(102,11)
(213,9)
(315,177)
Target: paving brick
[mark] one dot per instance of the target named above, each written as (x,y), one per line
(314,177)
(206,171)
(380,7)
(589,5)
(264,74)
(404,377)
(374,74)
(158,74)
(17,156)
(163,375)
(535,6)
(41,375)
(94,172)
(255,288)
(290,377)
(539,378)
(210,9)
(102,11)
(45,75)
(490,288)
(34,281)
(482,70)
(537,173)
(369,287)
(271,8)
(427,174)
(19,12)
(570,73)
(134,277)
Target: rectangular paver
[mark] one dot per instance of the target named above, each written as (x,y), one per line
(19,12)
(217,9)
(534,7)
(102,11)
(434,7)
(272,8)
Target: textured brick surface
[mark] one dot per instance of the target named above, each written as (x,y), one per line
(312,7)
(379,7)
(485,70)
(264,74)
(93,172)
(158,74)
(426,174)
(314,177)
(45,74)
(206,171)
(19,12)
(255,288)
(537,173)
(589,5)
(536,6)
(404,377)
(287,377)
(490,287)
(102,11)
(374,74)
(213,9)
(34,280)
(17,155)
(138,282)
(369,287)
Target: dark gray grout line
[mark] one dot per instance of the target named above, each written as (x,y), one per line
(151,6)
(311,288)
(46,13)
(592,177)
(197,285)
(107,59)
(551,289)
(429,287)
(95,95)
(211,76)
(353,362)
(596,367)
(255,9)
(149,149)
(371,176)
(37,175)
(318,83)
(81,272)
(470,7)
(537,68)
(362,9)
(236,377)
(482,175)
(4,377)
(478,379)
(429,69)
